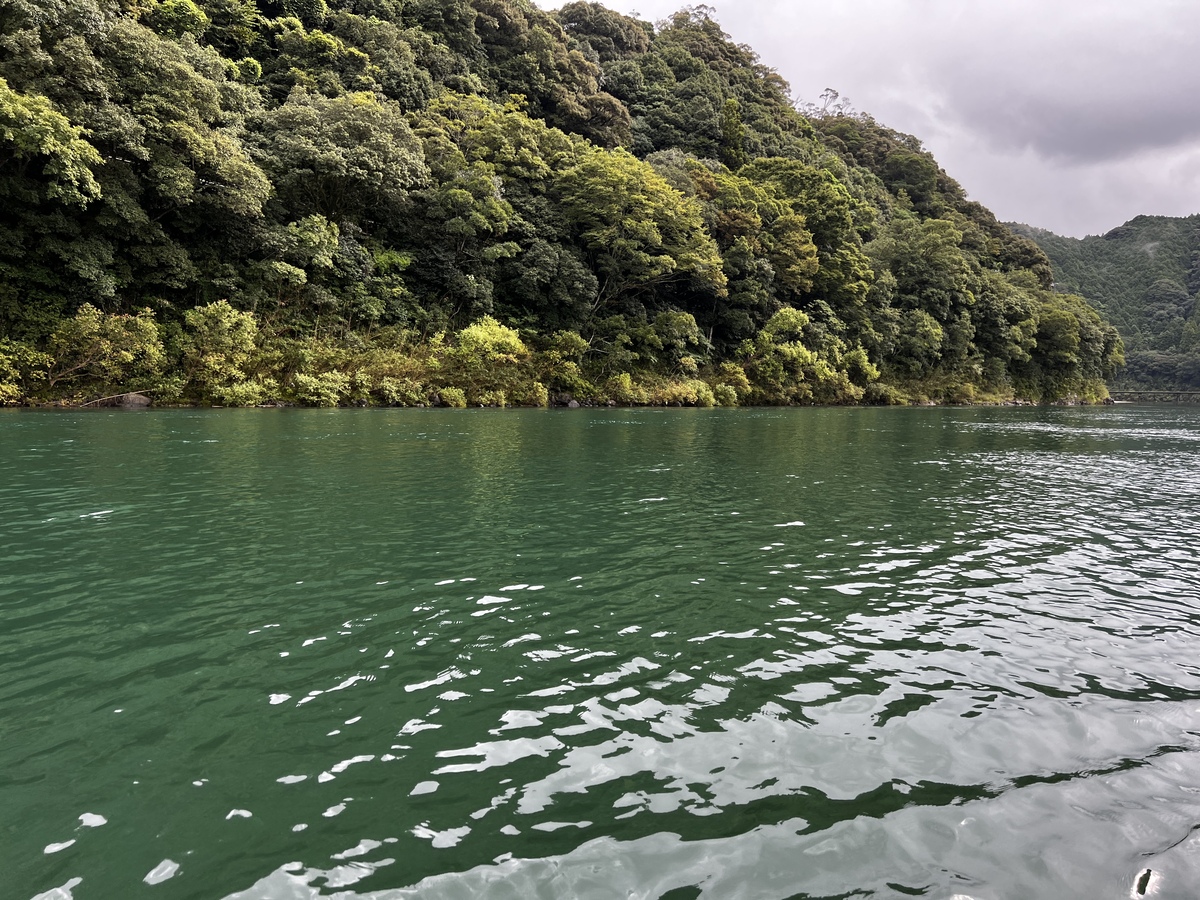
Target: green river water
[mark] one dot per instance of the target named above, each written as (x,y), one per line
(385,654)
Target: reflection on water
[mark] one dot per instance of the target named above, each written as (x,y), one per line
(745,653)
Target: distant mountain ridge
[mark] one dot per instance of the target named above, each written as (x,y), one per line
(1145,278)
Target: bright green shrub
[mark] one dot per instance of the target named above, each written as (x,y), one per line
(533,393)
(487,341)
(859,367)
(110,349)
(487,357)
(325,389)
(725,395)
(177,18)
(20,366)
(247,393)
(732,374)
(689,392)
(492,398)
(452,396)
(560,365)
(882,394)
(401,391)
(623,389)
(568,377)
(217,346)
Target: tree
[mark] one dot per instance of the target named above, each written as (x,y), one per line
(638,231)
(347,158)
(733,136)
(34,133)
(609,34)
(839,286)
(217,345)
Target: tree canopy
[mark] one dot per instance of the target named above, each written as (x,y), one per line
(420,201)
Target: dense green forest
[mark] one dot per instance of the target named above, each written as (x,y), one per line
(1145,278)
(477,201)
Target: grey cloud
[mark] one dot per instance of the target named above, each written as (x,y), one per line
(1074,133)
(1076,199)
(1087,85)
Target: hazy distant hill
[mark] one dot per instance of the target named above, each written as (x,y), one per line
(1145,277)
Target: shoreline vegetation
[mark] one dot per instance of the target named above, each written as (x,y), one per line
(222,362)
(482,203)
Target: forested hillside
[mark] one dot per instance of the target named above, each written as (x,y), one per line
(1145,277)
(477,201)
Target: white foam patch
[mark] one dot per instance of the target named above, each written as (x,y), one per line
(349,682)
(443,678)
(164,871)
(497,753)
(442,839)
(238,814)
(362,848)
(55,848)
(92,820)
(292,779)
(276,699)
(62,892)
(347,763)
(558,826)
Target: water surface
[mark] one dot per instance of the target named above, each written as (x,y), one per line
(600,654)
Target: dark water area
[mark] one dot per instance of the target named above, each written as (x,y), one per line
(281,655)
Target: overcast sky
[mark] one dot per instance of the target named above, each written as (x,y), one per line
(1073,115)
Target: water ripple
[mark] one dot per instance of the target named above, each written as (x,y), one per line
(670,654)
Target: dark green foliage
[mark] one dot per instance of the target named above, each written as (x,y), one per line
(1145,278)
(478,201)
(349,158)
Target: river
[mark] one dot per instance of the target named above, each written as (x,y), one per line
(435,654)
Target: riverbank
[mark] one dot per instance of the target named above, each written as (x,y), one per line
(135,400)
(221,356)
